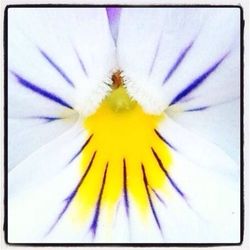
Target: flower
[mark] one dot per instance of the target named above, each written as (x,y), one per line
(123,125)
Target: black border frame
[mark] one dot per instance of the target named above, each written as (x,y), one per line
(5,43)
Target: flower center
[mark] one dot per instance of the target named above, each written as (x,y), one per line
(121,160)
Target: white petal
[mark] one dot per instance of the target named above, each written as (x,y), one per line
(33,212)
(27,135)
(42,183)
(156,40)
(217,36)
(139,33)
(70,38)
(219,124)
(198,150)
(47,161)
(211,212)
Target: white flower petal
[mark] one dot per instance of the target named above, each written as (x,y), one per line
(55,63)
(32,213)
(47,161)
(210,64)
(218,124)
(211,212)
(57,49)
(136,51)
(185,46)
(197,149)
(26,135)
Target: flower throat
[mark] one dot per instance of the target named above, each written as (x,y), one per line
(118,99)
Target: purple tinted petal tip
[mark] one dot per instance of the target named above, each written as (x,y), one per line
(114,18)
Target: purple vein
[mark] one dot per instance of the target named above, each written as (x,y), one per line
(155,56)
(70,198)
(113,15)
(164,140)
(94,224)
(81,63)
(125,187)
(198,81)
(178,61)
(174,185)
(56,67)
(47,119)
(197,109)
(80,150)
(42,92)
(201,108)
(149,198)
(158,196)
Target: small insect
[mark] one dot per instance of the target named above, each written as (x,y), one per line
(117,79)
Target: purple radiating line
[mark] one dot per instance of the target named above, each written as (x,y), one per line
(167,175)
(155,56)
(158,196)
(81,63)
(197,82)
(94,224)
(125,187)
(164,140)
(178,62)
(40,91)
(70,198)
(174,184)
(149,198)
(46,118)
(81,149)
(197,109)
(114,19)
(57,68)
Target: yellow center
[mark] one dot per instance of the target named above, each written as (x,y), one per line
(122,134)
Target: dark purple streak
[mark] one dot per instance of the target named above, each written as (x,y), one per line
(164,140)
(167,175)
(178,62)
(81,63)
(94,224)
(125,187)
(42,92)
(47,119)
(56,67)
(197,82)
(149,198)
(80,150)
(158,196)
(197,109)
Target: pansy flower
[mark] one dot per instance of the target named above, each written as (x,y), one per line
(123,125)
